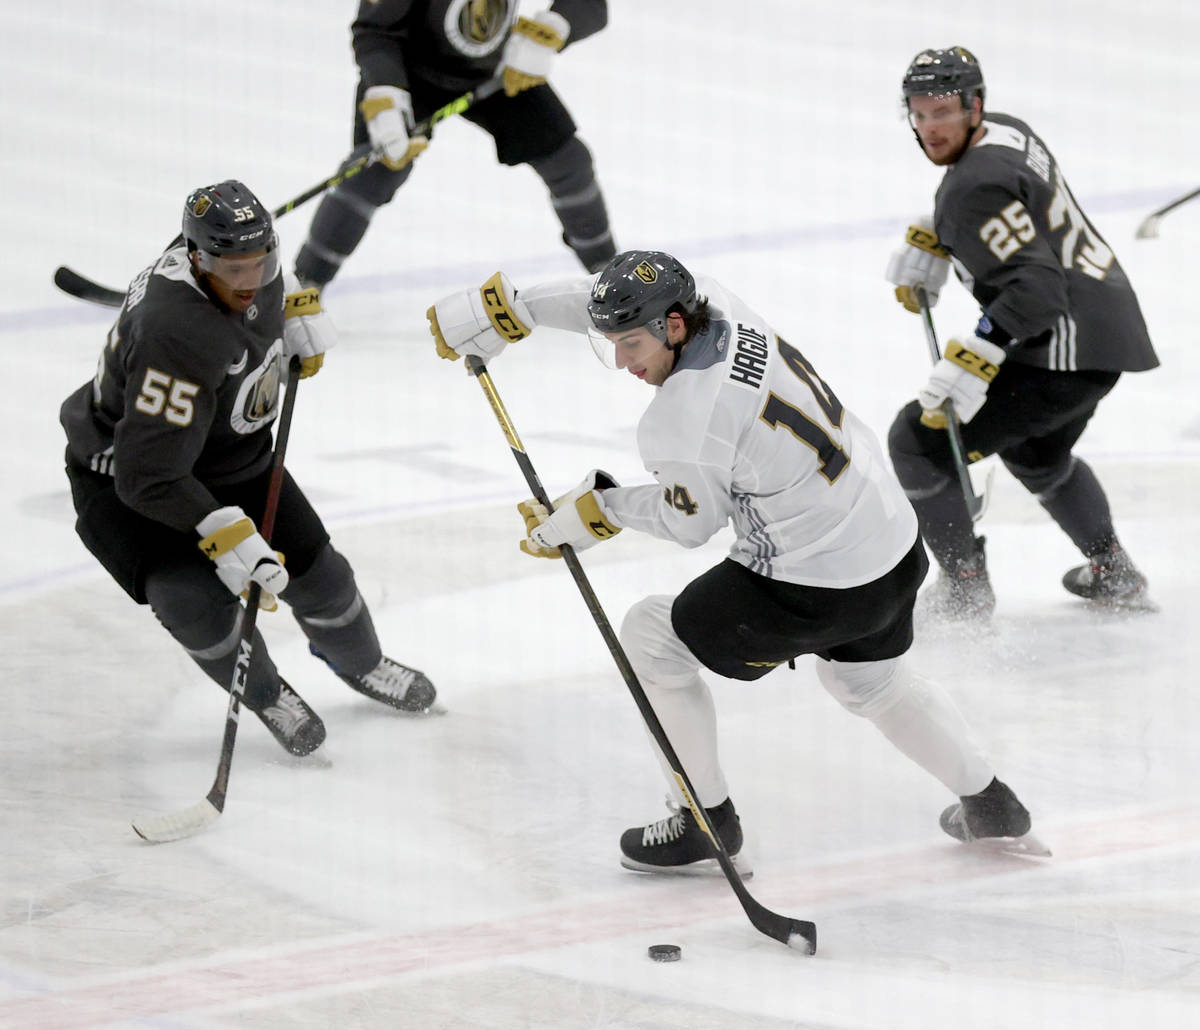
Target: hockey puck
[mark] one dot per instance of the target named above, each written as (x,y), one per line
(665,952)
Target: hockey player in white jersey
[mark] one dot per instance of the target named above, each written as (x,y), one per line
(827,559)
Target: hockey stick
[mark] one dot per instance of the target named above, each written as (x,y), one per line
(158,829)
(976,503)
(83,288)
(796,933)
(1148,230)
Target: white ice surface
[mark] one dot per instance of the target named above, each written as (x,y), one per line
(461,871)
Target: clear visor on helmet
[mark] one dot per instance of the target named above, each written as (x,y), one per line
(242,271)
(941,110)
(628,346)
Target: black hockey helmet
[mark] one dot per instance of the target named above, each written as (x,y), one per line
(225,221)
(227,218)
(935,73)
(638,288)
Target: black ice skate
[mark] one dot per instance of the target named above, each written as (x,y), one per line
(1111,581)
(994,817)
(291,722)
(677,844)
(962,595)
(392,683)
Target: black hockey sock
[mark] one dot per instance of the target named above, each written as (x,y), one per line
(578,202)
(946,527)
(1079,505)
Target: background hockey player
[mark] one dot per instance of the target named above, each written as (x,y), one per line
(413,57)
(169,454)
(1060,323)
(827,559)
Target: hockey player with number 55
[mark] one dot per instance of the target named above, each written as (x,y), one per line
(826,561)
(1060,323)
(169,456)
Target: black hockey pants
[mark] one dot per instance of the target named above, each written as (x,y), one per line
(1032,419)
(163,567)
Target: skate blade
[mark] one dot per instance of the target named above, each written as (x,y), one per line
(1028,846)
(705,867)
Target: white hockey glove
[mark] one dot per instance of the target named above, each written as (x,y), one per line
(962,376)
(922,261)
(388,113)
(307,331)
(580,519)
(530,50)
(229,538)
(479,322)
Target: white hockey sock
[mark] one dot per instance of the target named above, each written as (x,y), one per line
(669,673)
(916,715)
(926,726)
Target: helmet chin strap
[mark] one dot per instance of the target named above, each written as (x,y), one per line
(658,329)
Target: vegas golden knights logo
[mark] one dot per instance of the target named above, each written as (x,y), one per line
(203,203)
(264,396)
(646,272)
(482,20)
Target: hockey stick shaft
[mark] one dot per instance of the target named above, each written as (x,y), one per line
(797,933)
(237,690)
(83,288)
(975,502)
(1149,227)
(159,829)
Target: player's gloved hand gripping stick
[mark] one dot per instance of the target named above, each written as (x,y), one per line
(976,503)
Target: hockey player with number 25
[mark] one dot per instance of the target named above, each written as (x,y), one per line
(1059,325)
(826,561)
(169,455)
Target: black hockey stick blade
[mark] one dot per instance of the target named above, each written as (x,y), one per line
(82,288)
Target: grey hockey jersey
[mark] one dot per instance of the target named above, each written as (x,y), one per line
(1038,267)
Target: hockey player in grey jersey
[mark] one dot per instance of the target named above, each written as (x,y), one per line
(169,455)
(826,560)
(1060,323)
(414,56)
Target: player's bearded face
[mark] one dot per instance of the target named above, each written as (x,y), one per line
(942,124)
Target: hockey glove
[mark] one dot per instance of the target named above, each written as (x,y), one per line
(922,261)
(229,538)
(388,113)
(962,376)
(307,331)
(580,518)
(479,322)
(530,50)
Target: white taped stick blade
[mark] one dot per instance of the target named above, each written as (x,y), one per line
(158,829)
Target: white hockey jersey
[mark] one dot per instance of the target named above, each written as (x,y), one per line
(744,429)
